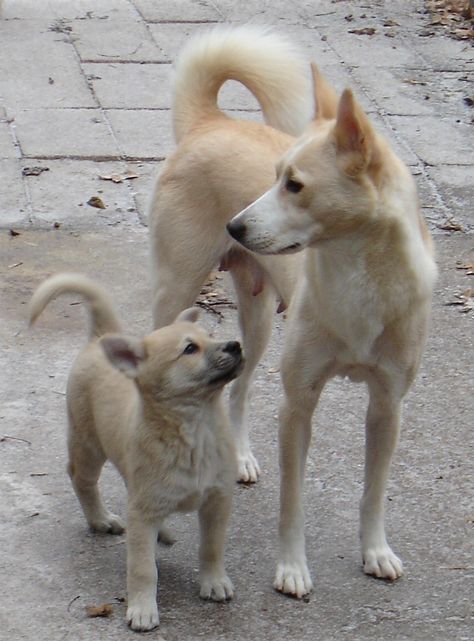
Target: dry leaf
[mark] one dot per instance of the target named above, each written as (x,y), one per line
(465,301)
(104,610)
(363,31)
(467,267)
(119,178)
(391,23)
(95,201)
(413,81)
(273,370)
(33,171)
(451,225)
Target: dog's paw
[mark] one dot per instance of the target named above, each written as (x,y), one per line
(166,536)
(142,617)
(293,579)
(248,468)
(216,588)
(108,523)
(382,563)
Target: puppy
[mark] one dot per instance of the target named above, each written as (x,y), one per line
(221,165)
(361,308)
(153,407)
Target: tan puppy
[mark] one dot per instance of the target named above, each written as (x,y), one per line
(361,308)
(153,407)
(220,166)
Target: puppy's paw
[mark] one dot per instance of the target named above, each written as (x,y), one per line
(108,523)
(293,579)
(216,588)
(143,616)
(248,467)
(382,563)
(166,536)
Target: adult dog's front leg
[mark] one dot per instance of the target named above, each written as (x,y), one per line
(292,575)
(382,430)
(213,519)
(142,575)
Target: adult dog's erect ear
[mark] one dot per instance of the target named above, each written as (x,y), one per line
(325,98)
(189,315)
(124,353)
(354,135)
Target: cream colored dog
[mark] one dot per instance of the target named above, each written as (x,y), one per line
(361,308)
(221,165)
(153,407)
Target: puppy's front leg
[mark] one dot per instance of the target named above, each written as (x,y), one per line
(213,518)
(142,575)
(382,429)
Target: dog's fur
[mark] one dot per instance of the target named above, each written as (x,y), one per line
(361,308)
(221,165)
(153,407)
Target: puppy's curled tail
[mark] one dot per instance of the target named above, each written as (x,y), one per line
(103,318)
(266,63)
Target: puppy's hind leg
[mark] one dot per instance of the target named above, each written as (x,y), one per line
(84,467)
(382,430)
(255,319)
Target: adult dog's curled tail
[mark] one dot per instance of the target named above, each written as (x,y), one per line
(266,63)
(103,318)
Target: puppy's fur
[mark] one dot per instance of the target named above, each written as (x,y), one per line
(220,166)
(360,310)
(153,407)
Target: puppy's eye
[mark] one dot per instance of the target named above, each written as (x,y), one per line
(293,185)
(191,348)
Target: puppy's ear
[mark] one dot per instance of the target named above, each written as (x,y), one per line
(124,353)
(189,315)
(353,134)
(325,98)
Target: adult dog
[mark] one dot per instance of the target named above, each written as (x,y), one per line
(153,407)
(361,309)
(220,166)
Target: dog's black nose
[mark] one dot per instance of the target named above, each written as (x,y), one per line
(233,347)
(237,230)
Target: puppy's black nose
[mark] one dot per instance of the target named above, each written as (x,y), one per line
(233,347)
(237,230)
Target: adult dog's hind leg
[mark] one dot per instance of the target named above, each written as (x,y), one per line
(382,430)
(182,259)
(255,319)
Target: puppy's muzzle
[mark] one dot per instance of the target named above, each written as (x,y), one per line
(233,347)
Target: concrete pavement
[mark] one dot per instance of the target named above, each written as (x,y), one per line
(84,96)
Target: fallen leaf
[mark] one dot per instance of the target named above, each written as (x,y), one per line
(104,610)
(469,101)
(15,265)
(273,370)
(467,267)
(119,178)
(364,31)
(451,225)
(14,233)
(413,81)
(33,171)
(464,300)
(95,201)
(391,23)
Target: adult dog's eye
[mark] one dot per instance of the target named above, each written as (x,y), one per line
(191,348)
(293,185)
